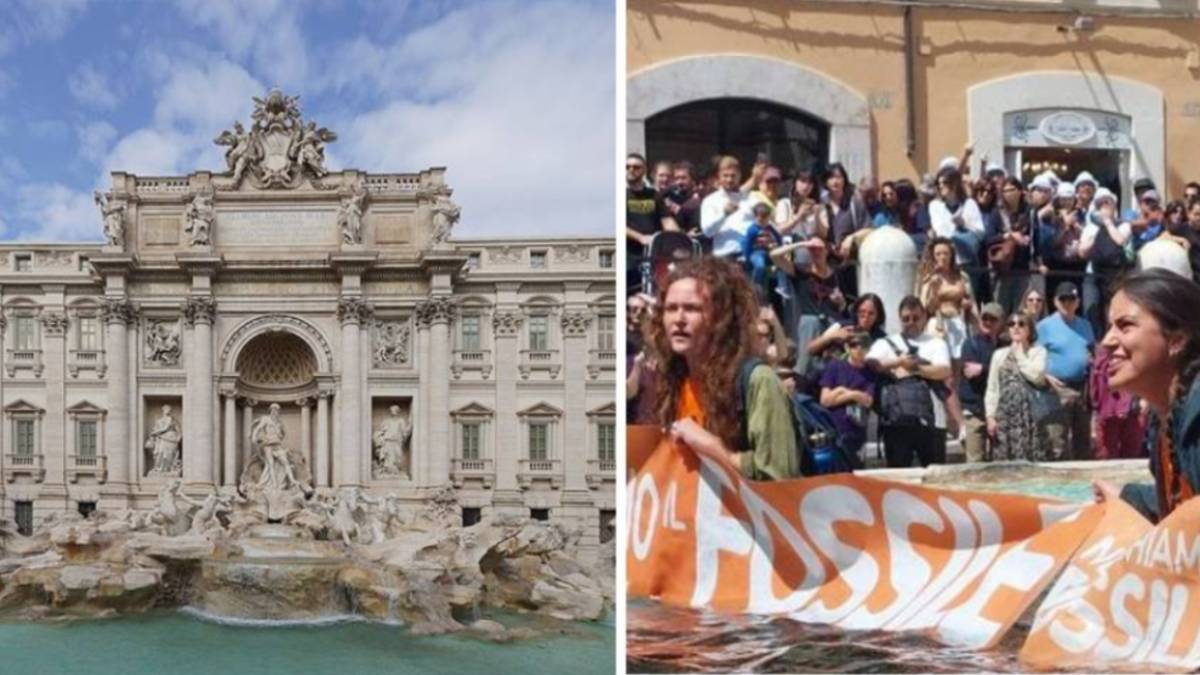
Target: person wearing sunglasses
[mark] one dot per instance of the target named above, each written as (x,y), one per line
(977,354)
(1016,372)
(645,216)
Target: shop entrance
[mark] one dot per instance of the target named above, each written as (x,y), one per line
(1108,166)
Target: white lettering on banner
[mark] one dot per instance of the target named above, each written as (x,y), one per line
(1185,558)
(964,547)
(1155,619)
(1019,569)
(1129,585)
(670,520)
(762,569)
(819,510)
(646,489)
(1179,599)
(718,533)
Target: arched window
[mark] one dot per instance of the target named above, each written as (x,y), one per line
(742,127)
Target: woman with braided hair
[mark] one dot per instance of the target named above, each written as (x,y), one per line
(1154,340)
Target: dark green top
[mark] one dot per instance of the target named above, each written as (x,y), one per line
(772,452)
(1144,496)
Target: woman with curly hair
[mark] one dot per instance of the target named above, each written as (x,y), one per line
(704,336)
(945,291)
(1154,340)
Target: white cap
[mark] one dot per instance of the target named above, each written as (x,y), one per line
(1041,182)
(948,162)
(995,168)
(1101,195)
(1085,177)
(1064,191)
(1052,177)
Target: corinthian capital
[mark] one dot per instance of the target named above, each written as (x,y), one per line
(118,310)
(353,309)
(54,323)
(575,324)
(199,309)
(437,309)
(507,323)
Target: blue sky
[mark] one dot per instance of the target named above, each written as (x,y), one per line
(515,97)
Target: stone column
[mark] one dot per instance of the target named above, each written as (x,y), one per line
(56,426)
(198,446)
(118,313)
(229,478)
(306,435)
(576,444)
(352,311)
(322,471)
(438,313)
(506,448)
(247,422)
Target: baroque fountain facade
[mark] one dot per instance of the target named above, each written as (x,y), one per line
(279,367)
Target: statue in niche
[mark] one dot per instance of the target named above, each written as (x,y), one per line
(390,441)
(391,343)
(113,211)
(163,442)
(267,434)
(162,343)
(199,218)
(350,214)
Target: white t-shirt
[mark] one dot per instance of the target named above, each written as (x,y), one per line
(726,230)
(929,347)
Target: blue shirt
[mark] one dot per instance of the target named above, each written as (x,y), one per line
(1066,347)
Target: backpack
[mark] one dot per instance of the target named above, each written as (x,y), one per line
(905,402)
(817,439)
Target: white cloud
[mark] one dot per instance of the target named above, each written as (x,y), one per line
(94,140)
(27,21)
(266,31)
(90,87)
(55,212)
(515,104)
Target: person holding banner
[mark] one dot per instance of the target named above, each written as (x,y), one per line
(1154,340)
(701,344)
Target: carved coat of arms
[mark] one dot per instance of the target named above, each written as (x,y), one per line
(280,149)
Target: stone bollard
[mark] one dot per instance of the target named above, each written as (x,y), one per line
(887,267)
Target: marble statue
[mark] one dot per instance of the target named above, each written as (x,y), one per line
(164,441)
(242,150)
(342,520)
(199,219)
(280,148)
(162,343)
(391,343)
(350,215)
(308,148)
(208,517)
(445,214)
(390,441)
(113,211)
(267,434)
(168,514)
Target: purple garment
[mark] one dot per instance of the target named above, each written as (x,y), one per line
(1108,403)
(839,373)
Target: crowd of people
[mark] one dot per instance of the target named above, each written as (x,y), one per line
(998,346)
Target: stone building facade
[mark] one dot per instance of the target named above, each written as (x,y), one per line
(401,360)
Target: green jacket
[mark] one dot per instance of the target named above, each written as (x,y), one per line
(772,452)
(1144,496)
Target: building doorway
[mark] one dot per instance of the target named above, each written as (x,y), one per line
(1105,165)
(745,128)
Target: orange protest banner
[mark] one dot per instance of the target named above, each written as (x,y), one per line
(854,552)
(1128,599)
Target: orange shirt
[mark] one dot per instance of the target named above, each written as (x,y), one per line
(689,403)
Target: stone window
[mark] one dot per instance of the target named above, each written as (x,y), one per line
(540,514)
(606,441)
(23,512)
(86,439)
(539,441)
(537,260)
(606,333)
(88,332)
(471,433)
(84,264)
(539,333)
(23,437)
(25,335)
(471,515)
(23,262)
(469,326)
(608,525)
(473,261)
(606,260)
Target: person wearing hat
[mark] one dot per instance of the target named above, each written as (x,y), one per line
(976,364)
(1103,244)
(1069,341)
(1085,190)
(847,391)
(1149,223)
(1058,239)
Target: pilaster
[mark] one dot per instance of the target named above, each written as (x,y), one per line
(438,312)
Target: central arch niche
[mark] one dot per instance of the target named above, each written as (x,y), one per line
(277,362)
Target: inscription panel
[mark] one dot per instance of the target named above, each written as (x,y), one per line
(277,228)
(392,228)
(160,230)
